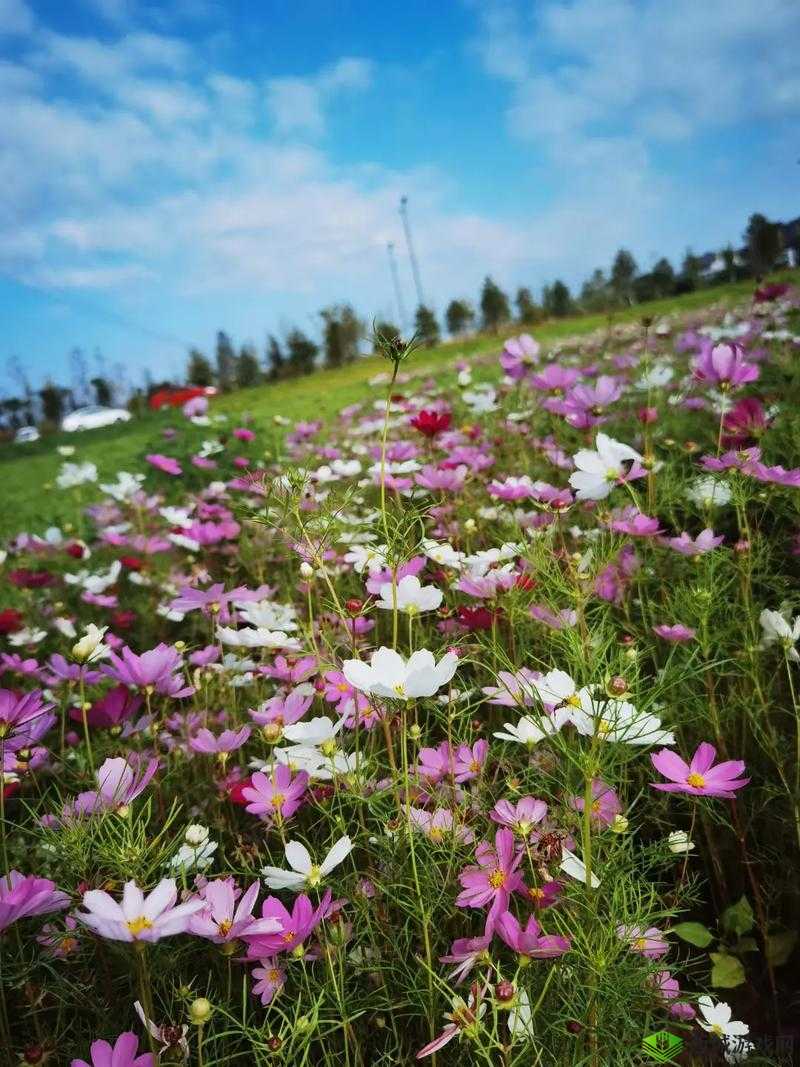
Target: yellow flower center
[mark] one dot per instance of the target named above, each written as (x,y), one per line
(612,475)
(604,727)
(716,1029)
(274,975)
(225,926)
(639,944)
(497,879)
(696,780)
(137,926)
(314,876)
(400,689)
(535,893)
(343,687)
(573,701)
(436,834)
(278,800)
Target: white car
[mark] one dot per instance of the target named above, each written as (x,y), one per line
(92,417)
(25,435)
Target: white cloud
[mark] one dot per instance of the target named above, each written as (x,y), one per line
(16,18)
(298,105)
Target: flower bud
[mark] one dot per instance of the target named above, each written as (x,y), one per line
(274,1043)
(200,1011)
(353,606)
(195,835)
(414,732)
(306,570)
(470,526)
(504,991)
(617,686)
(619,824)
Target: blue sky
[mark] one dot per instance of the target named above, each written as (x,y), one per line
(169,169)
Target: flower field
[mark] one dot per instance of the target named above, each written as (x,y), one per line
(460,727)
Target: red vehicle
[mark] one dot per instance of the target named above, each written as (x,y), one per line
(176,398)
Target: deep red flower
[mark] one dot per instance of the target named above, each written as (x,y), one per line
(745,422)
(123,620)
(768,293)
(431,422)
(10,621)
(479,618)
(236,791)
(27,579)
(133,563)
(76,550)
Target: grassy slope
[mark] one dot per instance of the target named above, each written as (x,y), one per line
(27,470)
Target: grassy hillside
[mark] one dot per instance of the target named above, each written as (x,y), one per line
(32,503)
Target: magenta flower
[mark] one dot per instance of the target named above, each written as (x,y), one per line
(278,795)
(111,710)
(560,620)
(138,917)
(467,953)
(724,365)
(585,405)
(516,689)
(213,601)
(519,355)
(293,672)
(676,632)
(228,741)
(528,941)
(494,879)
(469,761)
(436,824)
(23,719)
(700,777)
(25,894)
(636,524)
(605,803)
(282,710)
(294,926)
(746,421)
(123,1054)
(164,463)
(270,978)
(436,763)
(520,817)
(554,379)
(221,920)
(151,672)
(704,542)
(447,480)
(118,784)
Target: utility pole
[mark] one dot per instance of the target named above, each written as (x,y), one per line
(411,256)
(396,281)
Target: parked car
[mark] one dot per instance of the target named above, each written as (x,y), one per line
(176,398)
(25,435)
(91,417)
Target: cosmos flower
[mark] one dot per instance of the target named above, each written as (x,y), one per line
(304,871)
(151,672)
(716,1019)
(389,675)
(528,940)
(118,784)
(278,794)
(777,629)
(699,777)
(124,1053)
(228,741)
(22,895)
(410,595)
(222,920)
(598,471)
(494,878)
(138,917)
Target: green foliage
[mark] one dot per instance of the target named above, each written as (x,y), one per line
(426,328)
(495,311)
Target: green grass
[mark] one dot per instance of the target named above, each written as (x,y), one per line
(32,502)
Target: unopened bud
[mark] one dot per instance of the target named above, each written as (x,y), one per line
(617,686)
(306,570)
(414,732)
(619,824)
(353,606)
(504,991)
(200,1011)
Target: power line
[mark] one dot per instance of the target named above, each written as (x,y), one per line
(396,280)
(411,255)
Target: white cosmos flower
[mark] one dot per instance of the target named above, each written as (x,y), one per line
(709,492)
(95,583)
(126,486)
(520,1018)
(444,554)
(316,763)
(74,474)
(616,720)
(65,626)
(412,596)
(26,637)
(530,730)
(777,628)
(317,732)
(176,516)
(576,868)
(717,1019)
(555,687)
(388,675)
(304,871)
(599,471)
(90,648)
(259,637)
(267,615)
(371,558)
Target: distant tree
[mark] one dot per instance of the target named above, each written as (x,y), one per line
(52,397)
(764,243)
(729,259)
(623,271)
(274,359)
(528,313)
(458,317)
(341,333)
(103,391)
(301,353)
(226,362)
(495,311)
(595,293)
(663,277)
(199,370)
(248,371)
(689,277)
(557,300)
(426,328)
(385,334)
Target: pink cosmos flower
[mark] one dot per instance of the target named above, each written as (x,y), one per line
(561,620)
(469,762)
(528,941)
(554,379)
(466,953)
(270,978)
(605,803)
(705,541)
(746,421)
(511,489)
(138,917)
(123,1054)
(151,672)
(23,719)
(635,524)
(436,824)
(516,689)
(463,1016)
(294,926)
(59,941)
(25,894)
(520,817)
(649,942)
(293,672)
(724,365)
(676,632)
(282,710)
(221,920)
(228,741)
(164,463)
(118,784)
(494,879)
(278,795)
(700,777)
(241,433)
(519,356)
(448,480)
(585,405)
(118,704)
(436,763)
